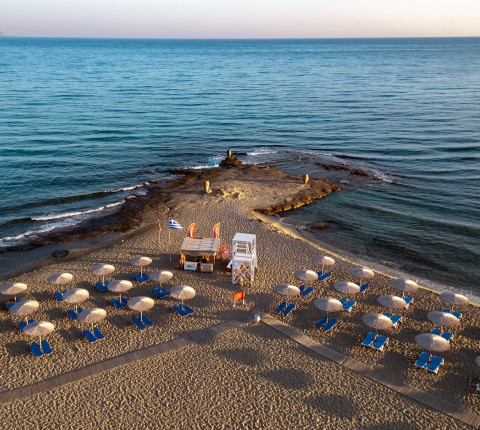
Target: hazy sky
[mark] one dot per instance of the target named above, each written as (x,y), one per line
(240,18)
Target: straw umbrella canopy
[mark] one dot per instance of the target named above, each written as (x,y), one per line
(92,316)
(119,286)
(24,308)
(377,321)
(141,261)
(182,292)
(12,289)
(161,276)
(477,361)
(287,290)
(75,296)
(404,285)
(60,278)
(306,275)
(39,328)
(328,304)
(103,270)
(432,342)
(140,304)
(392,302)
(323,260)
(455,299)
(443,318)
(346,287)
(362,273)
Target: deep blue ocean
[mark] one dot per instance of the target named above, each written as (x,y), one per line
(84,122)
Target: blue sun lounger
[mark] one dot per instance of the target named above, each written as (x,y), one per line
(145,320)
(138,323)
(395,318)
(46,348)
(423,360)
(35,348)
(281,307)
(288,310)
(369,339)
(23,324)
(74,315)
(323,275)
(179,311)
(141,278)
(101,287)
(98,334)
(380,342)
(187,308)
(305,291)
(89,336)
(59,296)
(330,324)
(408,300)
(349,305)
(157,293)
(321,322)
(434,364)
(117,304)
(364,287)
(446,335)
(454,313)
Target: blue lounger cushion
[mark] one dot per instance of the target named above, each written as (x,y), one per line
(98,334)
(380,342)
(46,348)
(58,295)
(436,331)
(288,310)
(447,336)
(457,314)
(307,291)
(408,300)
(101,287)
(9,305)
(139,278)
(157,293)
(342,300)
(396,319)
(123,301)
(89,336)
(35,348)
(423,360)
(164,291)
(146,321)
(145,277)
(349,305)
(322,275)
(117,304)
(369,339)
(330,324)
(434,364)
(180,311)
(364,287)
(138,323)
(320,322)
(23,324)
(478,385)
(187,308)
(281,307)
(387,314)
(72,314)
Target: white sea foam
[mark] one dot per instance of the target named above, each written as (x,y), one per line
(262,151)
(76,214)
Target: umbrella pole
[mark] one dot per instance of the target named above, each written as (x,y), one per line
(103,280)
(141,316)
(322,270)
(141,271)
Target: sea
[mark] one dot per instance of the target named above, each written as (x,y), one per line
(86,123)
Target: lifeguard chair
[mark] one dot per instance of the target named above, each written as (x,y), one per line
(244,258)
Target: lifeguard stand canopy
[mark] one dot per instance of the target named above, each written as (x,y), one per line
(244,257)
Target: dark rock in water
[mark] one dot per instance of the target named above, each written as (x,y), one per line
(231,162)
(60,253)
(318,225)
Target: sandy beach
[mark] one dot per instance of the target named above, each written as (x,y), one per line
(248,377)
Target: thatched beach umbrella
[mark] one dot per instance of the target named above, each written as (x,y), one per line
(119,286)
(443,318)
(306,275)
(182,292)
(360,272)
(141,261)
(24,308)
(140,304)
(92,316)
(377,321)
(455,299)
(75,296)
(287,290)
(12,289)
(346,287)
(103,270)
(323,260)
(432,342)
(161,276)
(60,278)
(39,328)
(404,285)
(328,304)
(392,302)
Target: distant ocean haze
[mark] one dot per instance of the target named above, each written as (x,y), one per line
(86,122)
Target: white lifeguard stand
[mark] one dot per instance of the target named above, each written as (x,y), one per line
(244,258)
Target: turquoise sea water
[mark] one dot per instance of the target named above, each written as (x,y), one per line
(84,122)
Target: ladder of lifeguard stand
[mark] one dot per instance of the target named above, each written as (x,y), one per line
(244,258)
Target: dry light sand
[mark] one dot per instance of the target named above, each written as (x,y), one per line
(249,377)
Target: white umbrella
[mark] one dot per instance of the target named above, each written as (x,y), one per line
(60,278)
(182,292)
(392,302)
(141,261)
(323,260)
(75,296)
(119,286)
(140,304)
(103,270)
(328,304)
(161,276)
(287,290)
(377,321)
(361,273)
(346,287)
(443,318)
(24,308)
(39,328)
(92,315)
(306,275)
(432,342)
(404,285)
(455,299)
(12,289)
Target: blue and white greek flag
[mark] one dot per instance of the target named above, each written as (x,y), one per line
(174,224)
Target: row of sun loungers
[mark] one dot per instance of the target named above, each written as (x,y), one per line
(426,361)
(375,341)
(38,351)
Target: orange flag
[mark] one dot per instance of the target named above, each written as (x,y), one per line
(216,231)
(191,230)
(239,296)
